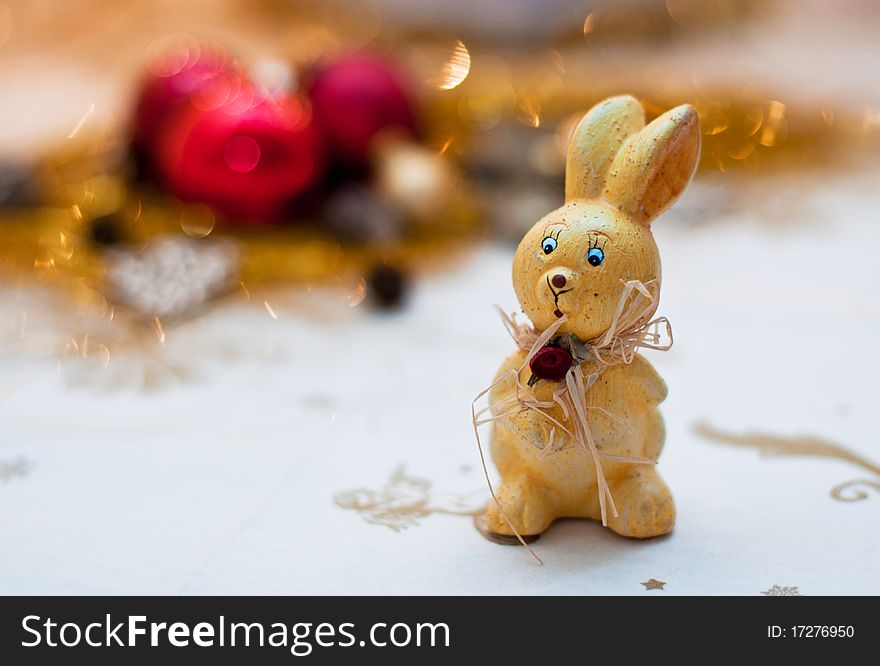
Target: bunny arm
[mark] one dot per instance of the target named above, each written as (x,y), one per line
(523,422)
(620,388)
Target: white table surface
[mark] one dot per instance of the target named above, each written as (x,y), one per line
(224,482)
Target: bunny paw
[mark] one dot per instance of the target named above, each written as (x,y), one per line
(644,505)
(526,505)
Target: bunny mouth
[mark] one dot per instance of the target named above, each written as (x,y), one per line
(556,295)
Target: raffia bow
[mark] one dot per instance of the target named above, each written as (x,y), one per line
(633,326)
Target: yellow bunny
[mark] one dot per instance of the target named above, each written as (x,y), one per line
(573,271)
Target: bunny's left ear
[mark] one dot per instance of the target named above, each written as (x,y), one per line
(655,165)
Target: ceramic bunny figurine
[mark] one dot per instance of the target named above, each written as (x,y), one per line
(573,266)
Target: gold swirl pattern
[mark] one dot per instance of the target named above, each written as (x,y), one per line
(802,445)
(848,491)
(405,500)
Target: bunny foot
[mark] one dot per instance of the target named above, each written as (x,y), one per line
(644,505)
(528,506)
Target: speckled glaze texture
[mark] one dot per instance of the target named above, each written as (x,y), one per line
(620,175)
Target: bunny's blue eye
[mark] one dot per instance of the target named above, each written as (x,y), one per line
(595,256)
(548,244)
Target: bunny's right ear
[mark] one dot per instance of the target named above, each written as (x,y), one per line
(596,140)
(655,165)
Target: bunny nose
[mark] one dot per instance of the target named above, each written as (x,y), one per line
(558,280)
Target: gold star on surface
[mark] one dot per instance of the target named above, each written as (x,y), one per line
(654,584)
(782,591)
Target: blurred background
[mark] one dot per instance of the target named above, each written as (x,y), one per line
(339,141)
(242,240)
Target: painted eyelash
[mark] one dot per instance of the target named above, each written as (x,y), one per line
(594,242)
(547,234)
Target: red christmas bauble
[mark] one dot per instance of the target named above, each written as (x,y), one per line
(184,69)
(247,158)
(356,97)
